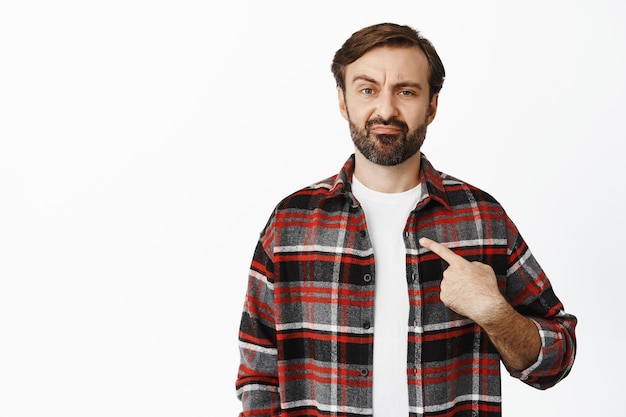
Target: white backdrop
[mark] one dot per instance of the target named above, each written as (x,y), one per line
(144,143)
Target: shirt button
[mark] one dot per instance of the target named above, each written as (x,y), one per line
(413,277)
(362,233)
(364,372)
(366,325)
(367,277)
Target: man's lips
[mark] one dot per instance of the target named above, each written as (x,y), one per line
(385,129)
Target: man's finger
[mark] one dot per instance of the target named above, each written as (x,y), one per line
(445,253)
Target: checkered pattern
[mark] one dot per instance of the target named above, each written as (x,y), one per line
(306,336)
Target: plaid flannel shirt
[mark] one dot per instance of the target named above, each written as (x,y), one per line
(306,336)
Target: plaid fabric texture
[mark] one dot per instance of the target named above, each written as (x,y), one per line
(306,335)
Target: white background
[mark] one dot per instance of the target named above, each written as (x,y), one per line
(143,145)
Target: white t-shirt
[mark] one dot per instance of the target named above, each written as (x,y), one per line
(386,215)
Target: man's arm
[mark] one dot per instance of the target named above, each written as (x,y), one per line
(471,289)
(257,380)
(516,337)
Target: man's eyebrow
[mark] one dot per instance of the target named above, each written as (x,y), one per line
(413,84)
(410,84)
(363,77)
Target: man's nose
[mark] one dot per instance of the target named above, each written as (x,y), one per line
(387,106)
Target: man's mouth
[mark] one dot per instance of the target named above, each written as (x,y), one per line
(379,129)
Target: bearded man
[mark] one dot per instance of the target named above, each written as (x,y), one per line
(392,289)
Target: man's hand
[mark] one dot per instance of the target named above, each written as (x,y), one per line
(471,289)
(468,288)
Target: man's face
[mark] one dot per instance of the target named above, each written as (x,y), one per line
(386,103)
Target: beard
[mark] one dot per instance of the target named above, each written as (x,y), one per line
(388,150)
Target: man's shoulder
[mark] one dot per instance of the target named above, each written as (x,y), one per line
(451,190)
(459,191)
(312,195)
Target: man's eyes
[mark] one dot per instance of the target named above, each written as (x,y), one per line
(370,91)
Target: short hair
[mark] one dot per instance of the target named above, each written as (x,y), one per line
(392,35)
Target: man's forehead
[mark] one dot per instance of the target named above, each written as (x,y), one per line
(401,64)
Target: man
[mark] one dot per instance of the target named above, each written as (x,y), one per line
(391,289)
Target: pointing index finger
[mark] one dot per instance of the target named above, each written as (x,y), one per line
(441,250)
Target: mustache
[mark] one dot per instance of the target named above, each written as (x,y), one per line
(391,122)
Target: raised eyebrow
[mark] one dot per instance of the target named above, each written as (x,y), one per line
(402,84)
(362,77)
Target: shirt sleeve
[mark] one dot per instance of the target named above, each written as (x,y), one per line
(531,293)
(556,356)
(257,379)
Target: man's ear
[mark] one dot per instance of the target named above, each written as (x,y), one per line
(342,103)
(432,108)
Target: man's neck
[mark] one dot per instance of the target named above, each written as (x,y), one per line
(388,179)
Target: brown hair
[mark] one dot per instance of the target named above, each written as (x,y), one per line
(387,34)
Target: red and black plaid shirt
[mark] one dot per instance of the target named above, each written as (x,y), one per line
(307,329)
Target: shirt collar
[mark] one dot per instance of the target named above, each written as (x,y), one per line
(341,184)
